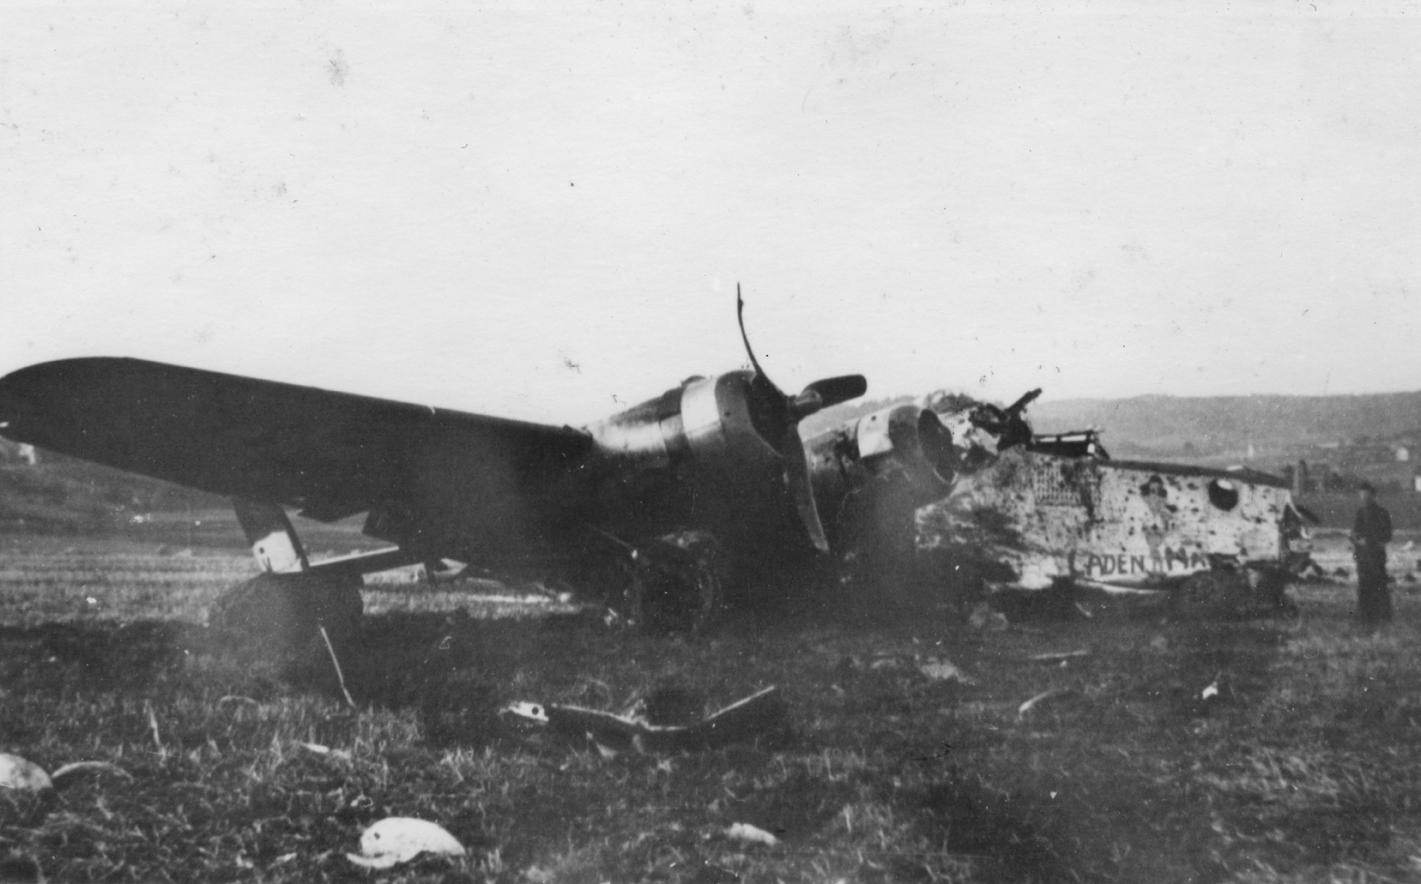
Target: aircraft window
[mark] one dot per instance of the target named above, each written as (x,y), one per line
(1223,494)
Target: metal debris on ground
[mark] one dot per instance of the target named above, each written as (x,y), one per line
(326,751)
(943,670)
(1038,700)
(753,834)
(760,713)
(27,792)
(397,840)
(20,773)
(1060,656)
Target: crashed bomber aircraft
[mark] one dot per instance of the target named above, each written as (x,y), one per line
(705,489)
(708,481)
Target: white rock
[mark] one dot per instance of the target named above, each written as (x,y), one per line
(399,839)
(26,776)
(747,832)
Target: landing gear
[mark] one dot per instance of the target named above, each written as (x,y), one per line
(280,615)
(675,584)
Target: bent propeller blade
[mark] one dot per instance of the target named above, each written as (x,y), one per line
(740,318)
(801,489)
(832,391)
(818,395)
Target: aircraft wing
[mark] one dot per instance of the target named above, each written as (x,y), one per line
(331,454)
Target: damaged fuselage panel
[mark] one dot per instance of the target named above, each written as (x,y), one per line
(1056,510)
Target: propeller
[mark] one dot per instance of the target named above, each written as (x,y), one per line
(779,415)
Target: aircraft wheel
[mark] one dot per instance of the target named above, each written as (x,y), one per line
(675,586)
(707,598)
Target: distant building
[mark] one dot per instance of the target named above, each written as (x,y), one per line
(17,453)
(1302,482)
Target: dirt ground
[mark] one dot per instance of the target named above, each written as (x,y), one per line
(1152,750)
(1332,551)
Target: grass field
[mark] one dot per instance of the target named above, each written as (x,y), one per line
(1306,765)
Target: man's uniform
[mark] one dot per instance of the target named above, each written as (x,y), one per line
(1371,531)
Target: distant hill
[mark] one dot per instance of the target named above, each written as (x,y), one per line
(1343,439)
(66,495)
(1228,424)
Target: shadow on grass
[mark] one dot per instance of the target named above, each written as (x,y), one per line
(102,655)
(1009,837)
(1236,659)
(451,668)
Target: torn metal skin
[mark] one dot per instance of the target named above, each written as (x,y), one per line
(758,714)
(1031,513)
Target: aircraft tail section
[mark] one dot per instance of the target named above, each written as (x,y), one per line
(269,533)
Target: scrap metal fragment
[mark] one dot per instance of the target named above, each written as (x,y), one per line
(28,793)
(1038,700)
(944,670)
(759,713)
(326,751)
(1062,655)
(20,773)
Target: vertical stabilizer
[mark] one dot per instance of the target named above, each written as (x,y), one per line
(269,533)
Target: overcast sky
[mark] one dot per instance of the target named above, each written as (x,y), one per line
(545,216)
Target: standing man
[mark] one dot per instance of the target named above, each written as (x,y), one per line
(1371,531)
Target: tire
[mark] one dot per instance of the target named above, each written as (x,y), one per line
(675,586)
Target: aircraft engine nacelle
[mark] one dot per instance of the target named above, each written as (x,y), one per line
(895,459)
(716,423)
(723,451)
(907,438)
(902,441)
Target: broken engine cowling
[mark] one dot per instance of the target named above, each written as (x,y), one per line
(907,438)
(905,444)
